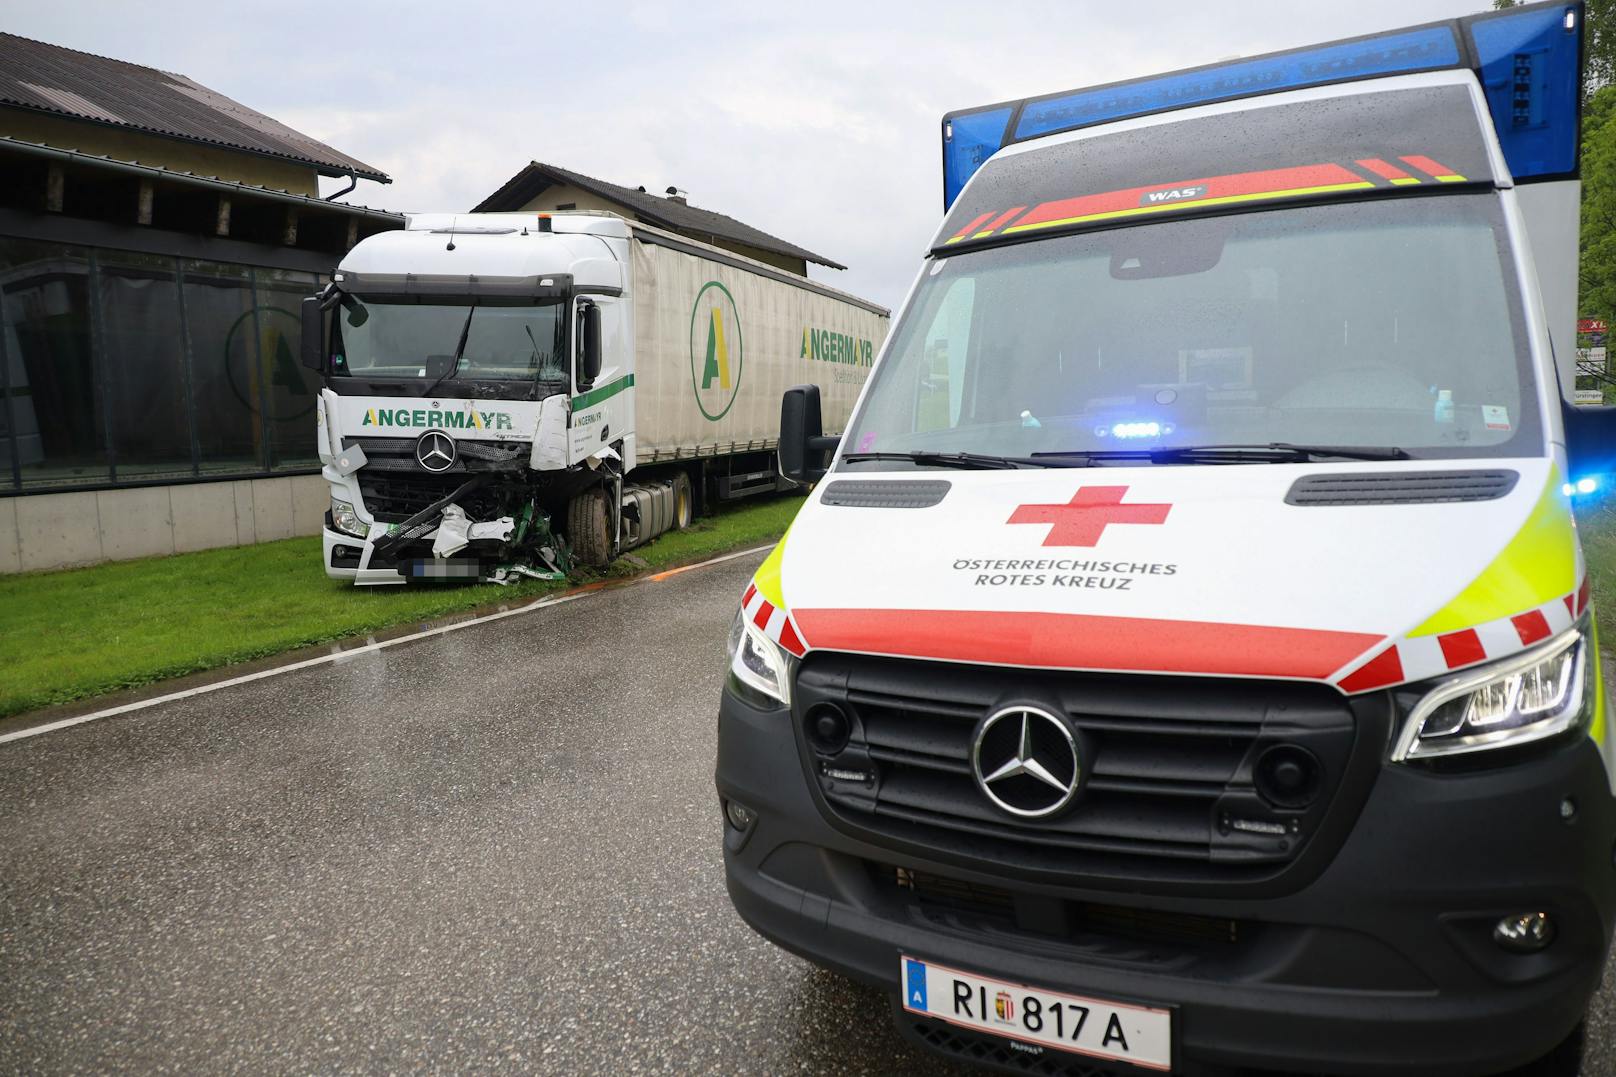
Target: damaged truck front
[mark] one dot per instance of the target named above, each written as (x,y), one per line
(443,422)
(509,393)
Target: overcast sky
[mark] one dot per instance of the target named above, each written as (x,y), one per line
(817,122)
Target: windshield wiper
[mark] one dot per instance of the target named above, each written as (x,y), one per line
(454,360)
(1283,452)
(965,461)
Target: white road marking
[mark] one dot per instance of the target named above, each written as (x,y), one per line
(339,656)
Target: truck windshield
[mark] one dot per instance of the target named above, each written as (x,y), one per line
(377,339)
(1375,324)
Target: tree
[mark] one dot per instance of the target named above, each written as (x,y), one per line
(1597,272)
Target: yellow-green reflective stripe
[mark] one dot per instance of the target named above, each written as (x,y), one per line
(1539,565)
(767,579)
(1596,728)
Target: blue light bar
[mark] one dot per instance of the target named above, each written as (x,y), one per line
(1528,58)
(1427,49)
(969,138)
(1530,63)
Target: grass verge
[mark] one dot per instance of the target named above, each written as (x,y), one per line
(1597,529)
(83,632)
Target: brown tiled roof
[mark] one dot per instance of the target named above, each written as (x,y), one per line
(680,217)
(48,78)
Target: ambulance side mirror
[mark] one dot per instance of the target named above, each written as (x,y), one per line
(1590,433)
(803,445)
(313,341)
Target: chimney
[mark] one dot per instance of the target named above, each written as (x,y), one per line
(675,194)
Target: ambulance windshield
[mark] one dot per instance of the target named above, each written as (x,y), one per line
(1392,322)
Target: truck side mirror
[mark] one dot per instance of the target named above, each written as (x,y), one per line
(803,444)
(589,358)
(313,344)
(1590,432)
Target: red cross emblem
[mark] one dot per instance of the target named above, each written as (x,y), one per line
(1082,520)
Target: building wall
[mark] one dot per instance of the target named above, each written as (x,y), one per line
(553,198)
(51,531)
(171,153)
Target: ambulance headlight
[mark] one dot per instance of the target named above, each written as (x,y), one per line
(759,669)
(1541,693)
(346,520)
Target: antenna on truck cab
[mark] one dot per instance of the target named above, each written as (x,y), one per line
(452,222)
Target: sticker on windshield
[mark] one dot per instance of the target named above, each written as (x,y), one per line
(1495,416)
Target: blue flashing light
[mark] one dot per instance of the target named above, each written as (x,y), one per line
(1136,430)
(969,139)
(1588,484)
(1530,67)
(1427,49)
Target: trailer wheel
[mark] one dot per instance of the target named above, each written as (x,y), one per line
(684,502)
(589,528)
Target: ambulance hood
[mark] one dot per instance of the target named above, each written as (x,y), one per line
(1360,575)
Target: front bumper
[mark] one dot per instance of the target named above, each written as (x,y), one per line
(1383,963)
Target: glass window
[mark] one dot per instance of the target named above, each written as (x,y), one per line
(226,390)
(290,388)
(143,360)
(55,407)
(418,340)
(1385,323)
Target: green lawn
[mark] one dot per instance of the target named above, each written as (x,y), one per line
(1597,527)
(82,632)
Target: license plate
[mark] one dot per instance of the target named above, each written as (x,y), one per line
(1033,1016)
(445,570)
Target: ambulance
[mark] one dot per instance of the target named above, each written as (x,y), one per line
(1185,660)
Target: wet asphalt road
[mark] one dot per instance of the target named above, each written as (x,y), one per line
(496,849)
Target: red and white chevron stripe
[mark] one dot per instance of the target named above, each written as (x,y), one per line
(1415,658)
(773,620)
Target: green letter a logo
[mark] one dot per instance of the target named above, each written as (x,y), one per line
(717,365)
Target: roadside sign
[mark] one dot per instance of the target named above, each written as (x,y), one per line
(1592,325)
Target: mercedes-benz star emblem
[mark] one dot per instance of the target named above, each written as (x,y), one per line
(435,451)
(1026,761)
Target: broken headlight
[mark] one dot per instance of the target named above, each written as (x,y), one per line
(759,670)
(346,520)
(1540,693)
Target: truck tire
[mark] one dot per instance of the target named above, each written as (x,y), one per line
(684,502)
(589,528)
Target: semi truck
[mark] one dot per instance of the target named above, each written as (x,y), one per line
(1185,661)
(507,394)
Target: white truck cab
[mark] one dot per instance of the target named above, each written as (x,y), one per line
(1185,658)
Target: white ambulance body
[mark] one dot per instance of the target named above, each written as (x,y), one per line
(1186,656)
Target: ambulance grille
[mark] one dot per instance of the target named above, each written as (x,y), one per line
(1169,795)
(1401,487)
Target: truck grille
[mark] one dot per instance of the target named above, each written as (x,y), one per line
(1174,767)
(393,497)
(398,454)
